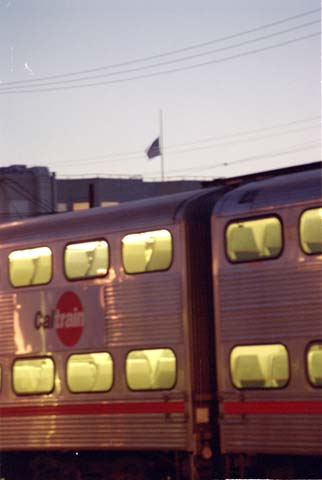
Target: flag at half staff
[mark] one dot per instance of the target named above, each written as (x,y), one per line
(154,149)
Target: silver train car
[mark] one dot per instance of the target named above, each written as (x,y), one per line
(171,338)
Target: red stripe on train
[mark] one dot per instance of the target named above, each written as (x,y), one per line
(286,407)
(93,409)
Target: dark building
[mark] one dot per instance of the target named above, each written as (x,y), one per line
(75,194)
(28,192)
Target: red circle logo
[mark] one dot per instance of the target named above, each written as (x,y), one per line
(69,318)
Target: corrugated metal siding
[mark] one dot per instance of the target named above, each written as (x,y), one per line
(7,306)
(153,431)
(258,303)
(144,311)
(265,303)
(147,311)
(296,434)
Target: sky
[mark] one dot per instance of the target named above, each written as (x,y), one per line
(84,83)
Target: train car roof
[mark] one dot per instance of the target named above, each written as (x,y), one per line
(275,191)
(134,215)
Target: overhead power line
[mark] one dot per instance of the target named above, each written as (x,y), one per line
(241,141)
(232,138)
(35,88)
(164,72)
(257,157)
(165,54)
(244,133)
(24,192)
(168,62)
(292,149)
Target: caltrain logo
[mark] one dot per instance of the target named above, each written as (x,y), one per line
(67,319)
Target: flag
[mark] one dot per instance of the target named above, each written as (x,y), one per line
(154,149)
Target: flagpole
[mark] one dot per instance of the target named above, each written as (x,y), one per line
(161,146)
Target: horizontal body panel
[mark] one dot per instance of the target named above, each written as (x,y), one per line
(119,310)
(281,301)
(41,320)
(285,433)
(147,431)
(147,310)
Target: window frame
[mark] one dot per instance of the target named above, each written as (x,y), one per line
(306,363)
(98,392)
(249,219)
(78,279)
(138,390)
(299,230)
(147,271)
(254,389)
(34,284)
(33,358)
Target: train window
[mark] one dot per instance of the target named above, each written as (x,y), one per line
(254,239)
(153,369)
(33,376)
(86,259)
(30,267)
(311,231)
(147,252)
(314,364)
(90,372)
(259,366)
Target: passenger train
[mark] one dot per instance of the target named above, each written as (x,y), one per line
(170,338)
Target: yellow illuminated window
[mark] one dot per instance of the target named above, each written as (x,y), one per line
(254,239)
(153,369)
(80,205)
(311,231)
(30,267)
(314,364)
(61,207)
(86,259)
(146,252)
(90,372)
(109,204)
(33,376)
(259,366)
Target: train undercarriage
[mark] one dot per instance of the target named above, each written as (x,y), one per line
(92,465)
